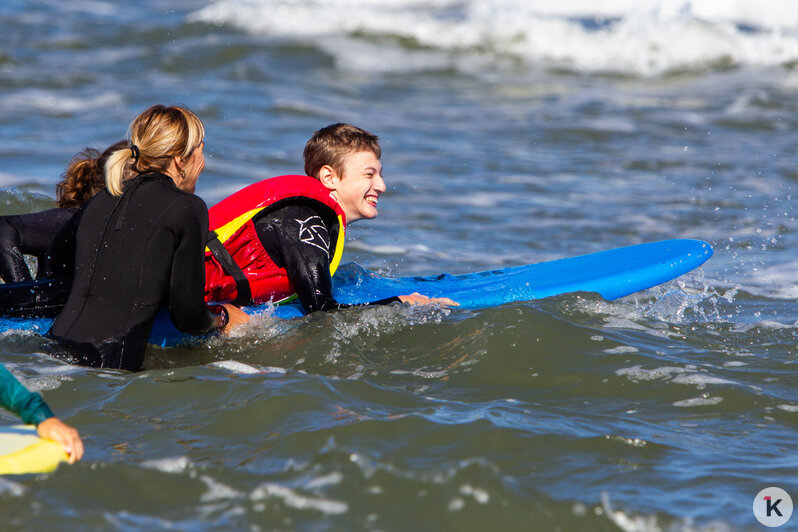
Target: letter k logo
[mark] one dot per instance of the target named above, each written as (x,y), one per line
(772,506)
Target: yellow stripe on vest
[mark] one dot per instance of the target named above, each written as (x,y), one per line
(339,246)
(228,229)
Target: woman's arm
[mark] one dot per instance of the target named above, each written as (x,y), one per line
(189,216)
(187,306)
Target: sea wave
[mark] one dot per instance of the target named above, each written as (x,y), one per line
(634,37)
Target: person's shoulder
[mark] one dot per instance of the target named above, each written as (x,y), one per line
(187,208)
(193,200)
(173,195)
(58,214)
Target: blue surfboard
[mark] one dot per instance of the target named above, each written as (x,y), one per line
(612,274)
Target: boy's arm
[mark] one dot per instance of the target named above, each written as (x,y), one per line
(298,240)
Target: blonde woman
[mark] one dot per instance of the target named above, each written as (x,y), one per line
(138,246)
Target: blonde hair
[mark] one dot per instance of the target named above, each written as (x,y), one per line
(329,146)
(158,134)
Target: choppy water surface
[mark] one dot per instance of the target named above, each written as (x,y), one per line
(513,133)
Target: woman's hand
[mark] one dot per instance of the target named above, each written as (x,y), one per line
(236,317)
(417,299)
(56,430)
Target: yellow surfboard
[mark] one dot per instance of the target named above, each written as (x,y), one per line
(22,451)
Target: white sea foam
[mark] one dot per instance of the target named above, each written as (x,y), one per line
(675,375)
(296,500)
(479,495)
(456,504)
(42,384)
(11,488)
(698,401)
(56,102)
(325,480)
(734,364)
(645,37)
(699,379)
(176,464)
(236,367)
(637,373)
(621,349)
(774,280)
(626,522)
(217,490)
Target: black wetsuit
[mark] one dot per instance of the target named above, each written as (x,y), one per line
(297,238)
(28,234)
(131,256)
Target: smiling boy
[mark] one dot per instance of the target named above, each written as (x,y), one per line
(291,238)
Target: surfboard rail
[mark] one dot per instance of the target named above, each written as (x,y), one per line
(23,452)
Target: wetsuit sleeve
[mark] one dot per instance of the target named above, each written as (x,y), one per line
(45,297)
(12,263)
(298,239)
(16,398)
(28,234)
(187,281)
(61,255)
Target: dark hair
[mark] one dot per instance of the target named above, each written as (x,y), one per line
(329,146)
(84,177)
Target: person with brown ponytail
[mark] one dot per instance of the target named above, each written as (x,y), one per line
(138,246)
(32,234)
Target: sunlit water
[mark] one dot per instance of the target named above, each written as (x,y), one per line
(512,133)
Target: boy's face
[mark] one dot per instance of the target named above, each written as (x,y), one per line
(359,187)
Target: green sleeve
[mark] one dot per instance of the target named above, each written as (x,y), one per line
(16,398)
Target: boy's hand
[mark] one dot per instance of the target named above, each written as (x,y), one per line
(237,317)
(417,299)
(56,430)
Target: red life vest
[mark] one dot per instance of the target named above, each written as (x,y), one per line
(237,262)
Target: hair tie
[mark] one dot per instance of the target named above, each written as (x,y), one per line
(136,152)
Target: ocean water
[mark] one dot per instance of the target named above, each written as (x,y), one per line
(513,132)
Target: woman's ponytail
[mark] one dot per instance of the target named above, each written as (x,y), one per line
(76,184)
(117,170)
(84,177)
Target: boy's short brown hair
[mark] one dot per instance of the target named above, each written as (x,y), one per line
(329,146)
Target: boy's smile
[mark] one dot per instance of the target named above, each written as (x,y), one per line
(359,187)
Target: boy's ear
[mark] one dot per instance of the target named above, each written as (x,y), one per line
(328,177)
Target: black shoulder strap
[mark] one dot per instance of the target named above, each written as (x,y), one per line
(223,256)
